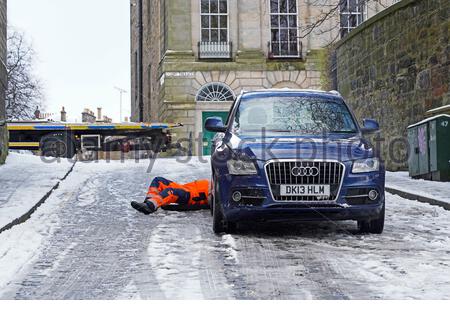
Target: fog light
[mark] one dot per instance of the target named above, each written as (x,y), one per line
(237,196)
(373,195)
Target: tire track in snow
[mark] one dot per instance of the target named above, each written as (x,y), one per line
(185,258)
(273,267)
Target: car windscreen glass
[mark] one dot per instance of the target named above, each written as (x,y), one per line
(288,115)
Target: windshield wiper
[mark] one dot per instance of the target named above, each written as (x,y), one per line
(342,131)
(281,131)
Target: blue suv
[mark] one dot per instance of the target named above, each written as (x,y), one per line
(295,155)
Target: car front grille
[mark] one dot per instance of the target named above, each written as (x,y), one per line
(280,173)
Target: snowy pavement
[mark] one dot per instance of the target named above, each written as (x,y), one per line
(431,189)
(24,180)
(86,242)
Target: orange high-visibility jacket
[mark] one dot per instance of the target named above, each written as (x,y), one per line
(165,192)
(199,191)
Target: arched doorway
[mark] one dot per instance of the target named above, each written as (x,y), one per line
(213,100)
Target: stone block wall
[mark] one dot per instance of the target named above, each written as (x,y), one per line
(395,67)
(3,82)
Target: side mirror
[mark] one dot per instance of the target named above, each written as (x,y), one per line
(215,124)
(370,126)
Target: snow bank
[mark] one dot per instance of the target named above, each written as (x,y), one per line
(430,189)
(24,180)
(18,247)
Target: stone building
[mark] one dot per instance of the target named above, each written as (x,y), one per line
(190,58)
(88,116)
(3,82)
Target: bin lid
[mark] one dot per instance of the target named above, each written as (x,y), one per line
(428,120)
(439,110)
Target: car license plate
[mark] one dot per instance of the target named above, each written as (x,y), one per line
(305,190)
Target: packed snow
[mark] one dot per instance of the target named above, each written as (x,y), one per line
(24,180)
(430,189)
(86,242)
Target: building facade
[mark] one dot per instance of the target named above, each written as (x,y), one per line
(88,116)
(190,58)
(3,83)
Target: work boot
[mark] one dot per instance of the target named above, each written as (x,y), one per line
(146,207)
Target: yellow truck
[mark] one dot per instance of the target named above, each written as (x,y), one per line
(64,140)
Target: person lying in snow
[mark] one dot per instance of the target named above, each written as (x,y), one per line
(170,195)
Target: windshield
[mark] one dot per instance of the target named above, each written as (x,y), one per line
(300,115)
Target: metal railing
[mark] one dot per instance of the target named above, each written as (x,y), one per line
(215,50)
(276,50)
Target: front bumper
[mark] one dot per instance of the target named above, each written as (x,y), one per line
(299,213)
(269,210)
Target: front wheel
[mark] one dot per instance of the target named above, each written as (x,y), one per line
(220,225)
(375,226)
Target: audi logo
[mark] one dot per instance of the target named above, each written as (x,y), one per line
(305,171)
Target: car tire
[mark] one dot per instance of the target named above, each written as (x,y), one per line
(375,226)
(220,225)
(57,145)
(218,221)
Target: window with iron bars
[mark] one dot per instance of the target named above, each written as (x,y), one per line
(284,40)
(352,14)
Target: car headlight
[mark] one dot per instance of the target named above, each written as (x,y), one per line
(366,165)
(241,168)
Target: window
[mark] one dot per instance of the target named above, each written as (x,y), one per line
(214,20)
(352,14)
(286,115)
(284,28)
(215,92)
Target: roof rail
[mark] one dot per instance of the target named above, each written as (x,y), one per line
(336,93)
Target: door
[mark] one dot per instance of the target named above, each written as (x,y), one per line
(424,151)
(433,147)
(208,136)
(413,152)
(442,125)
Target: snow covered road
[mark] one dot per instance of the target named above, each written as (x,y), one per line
(86,242)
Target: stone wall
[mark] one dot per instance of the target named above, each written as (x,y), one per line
(395,67)
(3,82)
